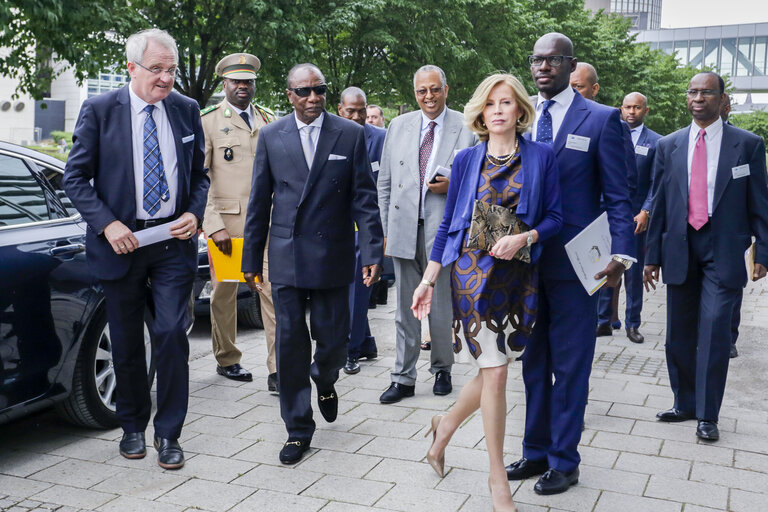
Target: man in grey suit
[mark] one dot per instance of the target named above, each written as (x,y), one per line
(412,205)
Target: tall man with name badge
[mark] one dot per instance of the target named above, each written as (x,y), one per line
(231,131)
(137,162)
(710,199)
(312,184)
(588,142)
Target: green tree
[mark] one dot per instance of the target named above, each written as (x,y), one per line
(755,122)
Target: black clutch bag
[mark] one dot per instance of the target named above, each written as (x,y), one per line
(489,223)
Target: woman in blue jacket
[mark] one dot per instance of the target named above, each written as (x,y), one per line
(494,295)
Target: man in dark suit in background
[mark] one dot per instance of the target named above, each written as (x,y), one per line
(313,177)
(143,147)
(589,145)
(634,108)
(710,199)
(353,106)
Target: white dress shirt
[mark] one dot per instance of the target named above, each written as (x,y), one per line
(167,151)
(247,112)
(713,141)
(317,123)
(562,102)
(439,122)
(635,134)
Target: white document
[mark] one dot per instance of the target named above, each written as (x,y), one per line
(154,234)
(577,142)
(375,166)
(590,252)
(641,150)
(439,171)
(740,171)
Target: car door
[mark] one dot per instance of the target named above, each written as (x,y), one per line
(44,281)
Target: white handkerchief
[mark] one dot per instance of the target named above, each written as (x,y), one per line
(336,157)
(188,138)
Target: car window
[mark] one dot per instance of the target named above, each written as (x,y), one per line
(22,199)
(55,178)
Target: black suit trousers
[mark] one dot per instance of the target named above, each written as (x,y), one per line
(329,325)
(699,314)
(171,279)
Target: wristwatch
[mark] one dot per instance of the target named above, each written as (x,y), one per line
(529,242)
(427,282)
(627,263)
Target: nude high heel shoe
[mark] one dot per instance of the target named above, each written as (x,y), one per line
(438,464)
(513,509)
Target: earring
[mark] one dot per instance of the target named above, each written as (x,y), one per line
(482,123)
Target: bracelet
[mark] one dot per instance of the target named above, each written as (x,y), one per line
(427,282)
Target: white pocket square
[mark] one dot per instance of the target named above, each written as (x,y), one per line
(188,138)
(336,157)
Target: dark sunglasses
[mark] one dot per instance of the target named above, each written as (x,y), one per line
(303,92)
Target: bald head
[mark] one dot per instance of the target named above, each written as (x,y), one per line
(554,62)
(305,68)
(634,108)
(556,40)
(584,80)
(353,105)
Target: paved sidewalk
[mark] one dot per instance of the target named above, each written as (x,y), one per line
(372,457)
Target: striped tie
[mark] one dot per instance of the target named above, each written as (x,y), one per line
(155,185)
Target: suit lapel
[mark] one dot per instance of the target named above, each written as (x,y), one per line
(174,119)
(643,137)
(412,136)
(329,133)
(679,168)
(122,112)
(727,160)
(448,139)
(576,115)
(289,137)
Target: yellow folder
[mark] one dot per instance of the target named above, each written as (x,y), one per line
(227,268)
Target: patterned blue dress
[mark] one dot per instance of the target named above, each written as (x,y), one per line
(494,300)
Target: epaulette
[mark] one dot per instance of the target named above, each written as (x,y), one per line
(266,114)
(207,110)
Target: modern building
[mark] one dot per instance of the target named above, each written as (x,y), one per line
(735,51)
(645,14)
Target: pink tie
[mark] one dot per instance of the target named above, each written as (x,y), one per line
(697,196)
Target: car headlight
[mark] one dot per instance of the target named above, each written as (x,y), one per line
(202,245)
(205,293)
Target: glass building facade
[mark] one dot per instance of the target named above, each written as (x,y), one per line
(645,14)
(106,82)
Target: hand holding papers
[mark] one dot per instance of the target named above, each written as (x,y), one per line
(153,235)
(438,171)
(590,253)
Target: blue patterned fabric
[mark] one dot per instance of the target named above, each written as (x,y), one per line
(544,126)
(155,185)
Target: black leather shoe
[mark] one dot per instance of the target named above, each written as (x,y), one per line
(351,367)
(169,453)
(426,345)
(734,352)
(396,392)
(368,355)
(604,330)
(526,468)
(235,372)
(272,383)
(133,446)
(674,416)
(707,430)
(442,384)
(328,403)
(555,482)
(293,450)
(634,335)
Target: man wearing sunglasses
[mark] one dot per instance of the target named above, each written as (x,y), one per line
(312,184)
(589,146)
(710,199)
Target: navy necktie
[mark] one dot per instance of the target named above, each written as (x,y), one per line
(544,126)
(245,118)
(155,185)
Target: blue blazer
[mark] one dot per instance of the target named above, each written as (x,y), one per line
(629,155)
(313,211)
(643,196)
(585,176)
(102,151)
(739,207)
(374,143)
(539,204)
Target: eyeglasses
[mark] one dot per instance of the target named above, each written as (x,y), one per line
(554,61)
(705,93)
(303,92)
(423,92)
(157,70)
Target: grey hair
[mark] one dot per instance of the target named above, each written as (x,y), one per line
(137,44)
(304,65)
(430,68)
(352,93)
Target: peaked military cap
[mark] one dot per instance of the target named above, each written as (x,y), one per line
(240,66)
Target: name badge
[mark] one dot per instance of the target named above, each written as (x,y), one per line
(641,150)
(740,171)
(375,166)
(577,142)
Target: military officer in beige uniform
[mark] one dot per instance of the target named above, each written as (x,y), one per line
(231,130)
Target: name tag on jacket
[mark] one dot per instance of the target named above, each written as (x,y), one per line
(336,157)
(577,142)
(740,171)
(641,150)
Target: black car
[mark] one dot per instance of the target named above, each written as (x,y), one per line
(55,346)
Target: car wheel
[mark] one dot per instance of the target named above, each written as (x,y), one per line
(249,312)
(92,400)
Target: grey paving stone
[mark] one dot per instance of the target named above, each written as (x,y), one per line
(21,487)
(261,452)
(398,449)
(353,465)
(696,493)
(219,426)
(411,473)
(685,431)
(266,432)
(614,502)
(76,473)
(616,480)
(609,423)
(18,463)
(746,501)
(147,485)
(743,479)
(280,479)
(271,501)
(207,495)
(650,465)
(592,456)
(74,497)
(408,498)
(350,490)
(376,411)
(753,461)
(386,428)
(224,409)
(219,469)
(629,443)
(95,450)
(698,452)
(217,445)
(577,499)
(340,441)
(130,504)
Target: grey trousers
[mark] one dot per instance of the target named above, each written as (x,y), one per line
(408,275)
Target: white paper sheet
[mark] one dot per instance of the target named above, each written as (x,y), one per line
(154,234)
(590,252)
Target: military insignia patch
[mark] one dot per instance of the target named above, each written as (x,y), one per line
(228,154)
(207,110)
(227,112)
(226,130)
